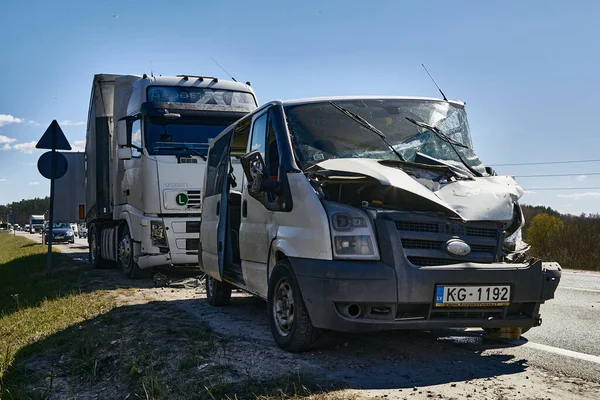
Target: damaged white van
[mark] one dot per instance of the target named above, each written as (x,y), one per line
(366,213)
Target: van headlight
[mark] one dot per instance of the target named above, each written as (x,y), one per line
(352,234)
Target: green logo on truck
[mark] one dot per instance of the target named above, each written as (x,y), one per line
(181,199)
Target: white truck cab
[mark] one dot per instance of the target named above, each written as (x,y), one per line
(367,213)
(146,148)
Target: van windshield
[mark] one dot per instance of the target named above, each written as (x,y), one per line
(173,136)
(320,131)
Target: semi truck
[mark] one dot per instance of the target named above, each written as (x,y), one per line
(146,150)
(36,223)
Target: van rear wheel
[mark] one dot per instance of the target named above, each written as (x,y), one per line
(217,293)
(288,318)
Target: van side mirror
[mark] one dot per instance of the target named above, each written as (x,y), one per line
(254,169)
(490,171)
(253,165)
(122,132)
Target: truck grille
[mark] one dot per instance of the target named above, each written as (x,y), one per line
(192,227)
(424,239)
(191,244)
(194,198)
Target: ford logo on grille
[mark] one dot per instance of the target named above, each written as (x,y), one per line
(457,247)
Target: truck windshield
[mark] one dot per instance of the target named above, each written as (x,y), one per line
(173,136)
(320,132)
(37,221)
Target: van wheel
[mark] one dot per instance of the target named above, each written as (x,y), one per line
(217,293)
(94,249)
(288,318)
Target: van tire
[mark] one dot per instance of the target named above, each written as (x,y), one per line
(217,293)
(285,303)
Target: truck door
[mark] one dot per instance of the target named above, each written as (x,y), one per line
(214,207)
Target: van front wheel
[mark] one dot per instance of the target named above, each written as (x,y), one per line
(288,318)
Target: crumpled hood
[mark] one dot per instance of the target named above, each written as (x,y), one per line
(488,198)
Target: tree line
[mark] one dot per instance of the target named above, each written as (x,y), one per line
(572,241)
(19,211)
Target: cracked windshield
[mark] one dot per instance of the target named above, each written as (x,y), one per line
(319,131)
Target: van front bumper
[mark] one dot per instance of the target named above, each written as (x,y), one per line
(375,295)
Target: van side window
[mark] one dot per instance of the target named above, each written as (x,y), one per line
(216,167)
(136,137)
(272,153)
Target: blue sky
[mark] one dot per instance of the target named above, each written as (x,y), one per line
(527,70)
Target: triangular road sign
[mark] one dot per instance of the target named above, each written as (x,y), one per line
(60,141)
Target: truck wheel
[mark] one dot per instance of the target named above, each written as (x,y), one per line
(217,293)
(288,318)
(125,256)
(94,249)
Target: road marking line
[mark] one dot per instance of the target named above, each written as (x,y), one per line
(581,289)
(563,352)
(597,275)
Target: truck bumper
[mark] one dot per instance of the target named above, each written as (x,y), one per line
(183,237)
(375,295)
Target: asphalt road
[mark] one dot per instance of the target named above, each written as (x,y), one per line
(571,320)
(568,341)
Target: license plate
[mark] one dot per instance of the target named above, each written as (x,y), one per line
(60,237)
(472,296)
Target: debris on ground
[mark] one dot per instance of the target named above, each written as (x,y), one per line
(162,280)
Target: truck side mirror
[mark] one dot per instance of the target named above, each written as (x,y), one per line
(124,153)
(122,137)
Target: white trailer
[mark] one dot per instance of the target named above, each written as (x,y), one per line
(147,141)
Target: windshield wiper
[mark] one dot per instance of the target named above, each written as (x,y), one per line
(190,149)
(366,124)
(453,143)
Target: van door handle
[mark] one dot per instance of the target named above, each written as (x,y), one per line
(218,207)
(244,209)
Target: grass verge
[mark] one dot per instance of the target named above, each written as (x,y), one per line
(35,304)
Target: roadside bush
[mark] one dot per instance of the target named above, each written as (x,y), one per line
(572,241)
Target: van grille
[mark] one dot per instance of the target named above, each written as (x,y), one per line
(424,239)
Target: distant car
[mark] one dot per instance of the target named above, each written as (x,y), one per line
(26,228)
(61,233)
(3,227)
(82,232)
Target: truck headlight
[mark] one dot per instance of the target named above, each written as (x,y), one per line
(352,235)
(157,233)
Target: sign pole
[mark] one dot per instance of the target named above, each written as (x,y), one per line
(51,216)
(55,167)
